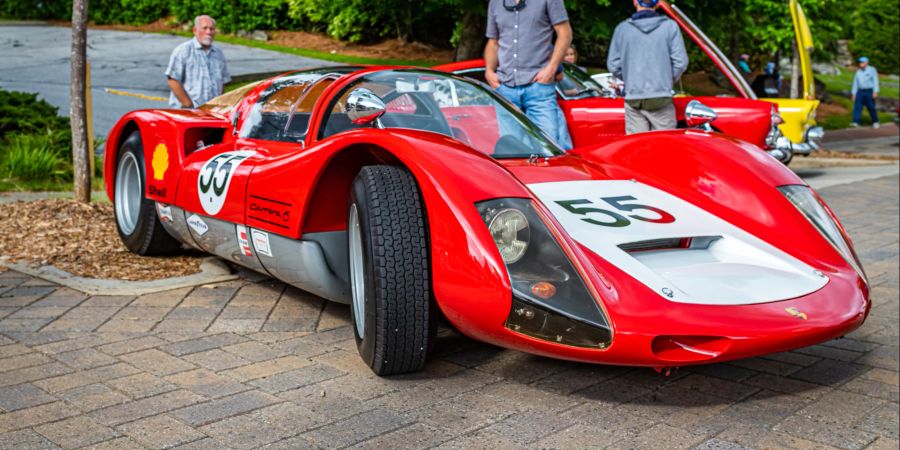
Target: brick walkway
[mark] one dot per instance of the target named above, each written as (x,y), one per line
(252,363)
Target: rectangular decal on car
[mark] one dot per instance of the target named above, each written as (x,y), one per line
(261,242)
(165,212)
(243,240)
(197,224)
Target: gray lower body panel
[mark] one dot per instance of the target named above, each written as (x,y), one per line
(317,264)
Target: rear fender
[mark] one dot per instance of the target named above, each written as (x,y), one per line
(167,136)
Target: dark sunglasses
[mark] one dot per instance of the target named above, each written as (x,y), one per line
(515,6)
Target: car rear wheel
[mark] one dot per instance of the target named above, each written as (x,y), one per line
(392,312)
(136,219)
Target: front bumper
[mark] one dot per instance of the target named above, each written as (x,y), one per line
(784,148)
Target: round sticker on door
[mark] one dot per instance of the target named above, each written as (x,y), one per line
(215,178)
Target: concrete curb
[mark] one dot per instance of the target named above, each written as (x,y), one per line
(212,270)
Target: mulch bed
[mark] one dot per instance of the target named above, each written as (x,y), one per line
(80,239)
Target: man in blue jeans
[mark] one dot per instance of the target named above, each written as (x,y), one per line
(865,91)
(520,62)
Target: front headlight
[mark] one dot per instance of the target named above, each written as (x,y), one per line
(511,233)
(551,301)
(812,208)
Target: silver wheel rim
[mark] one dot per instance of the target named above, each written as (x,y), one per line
(128,193)
(357,275)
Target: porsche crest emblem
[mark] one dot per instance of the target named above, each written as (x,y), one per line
(160,162)
(796,313)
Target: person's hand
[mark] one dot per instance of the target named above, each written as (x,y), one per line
(491,77)
(187,105)
(547,75)
(559,77)
(874,95)
(853,98)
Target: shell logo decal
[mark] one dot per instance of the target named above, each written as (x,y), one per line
(160,162)
(796,313)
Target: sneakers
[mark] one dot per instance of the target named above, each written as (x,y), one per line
(876,125)
(854,125)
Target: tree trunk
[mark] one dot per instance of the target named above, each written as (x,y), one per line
(471,40)
(795,72)
(81,154)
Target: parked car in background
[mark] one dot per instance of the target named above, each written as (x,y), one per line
(800,133)
(595,114)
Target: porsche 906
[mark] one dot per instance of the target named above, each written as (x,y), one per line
(412,194)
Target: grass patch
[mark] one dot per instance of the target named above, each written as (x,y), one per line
(838,86)
(31,157)
(62,186)
(889,87)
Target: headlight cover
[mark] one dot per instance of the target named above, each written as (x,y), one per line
(812,208)
(550,299)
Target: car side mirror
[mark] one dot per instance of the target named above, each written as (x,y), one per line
(698,115)
(364,107)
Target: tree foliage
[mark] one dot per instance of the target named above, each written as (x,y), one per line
(762,28)
(876,34)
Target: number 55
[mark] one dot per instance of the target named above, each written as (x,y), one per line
(618,220)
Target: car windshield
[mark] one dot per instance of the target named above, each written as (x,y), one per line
(576,83)
(437,102)
(226,102)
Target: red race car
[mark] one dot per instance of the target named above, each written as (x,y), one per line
(412,194)
(595,114)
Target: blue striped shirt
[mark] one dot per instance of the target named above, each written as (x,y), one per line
(203,73)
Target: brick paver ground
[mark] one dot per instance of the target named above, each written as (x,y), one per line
(252,363)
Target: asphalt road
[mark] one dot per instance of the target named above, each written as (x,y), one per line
(36,59)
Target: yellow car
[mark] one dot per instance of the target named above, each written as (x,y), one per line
(797,133)
(799,114)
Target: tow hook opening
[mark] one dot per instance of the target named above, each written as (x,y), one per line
(689,348)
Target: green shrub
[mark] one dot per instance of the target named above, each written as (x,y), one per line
(24,113)
(36,10)
(131,12)
(234,15)
(34,157)
(876,34)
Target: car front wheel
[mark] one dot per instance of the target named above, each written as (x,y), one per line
(392,310)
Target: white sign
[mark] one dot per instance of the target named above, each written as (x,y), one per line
(261,242)
(215,178)
(164,211)
(197,224)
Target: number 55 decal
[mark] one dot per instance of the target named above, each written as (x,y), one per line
(609,218)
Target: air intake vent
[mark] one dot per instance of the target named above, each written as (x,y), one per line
(695,242)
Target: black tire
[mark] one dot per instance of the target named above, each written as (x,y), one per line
(148,237)
(400,321)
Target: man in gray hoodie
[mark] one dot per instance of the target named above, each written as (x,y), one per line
(647,52)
